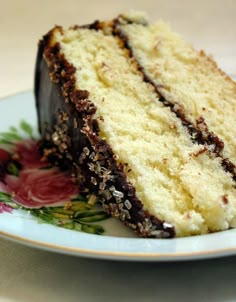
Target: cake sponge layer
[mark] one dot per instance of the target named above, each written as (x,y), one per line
(186,77)
(175,180)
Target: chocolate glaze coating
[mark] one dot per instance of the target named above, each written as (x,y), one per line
(71,137)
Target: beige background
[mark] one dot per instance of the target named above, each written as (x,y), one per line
(31,275)
(207,24)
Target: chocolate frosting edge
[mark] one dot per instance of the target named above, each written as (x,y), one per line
(71,137)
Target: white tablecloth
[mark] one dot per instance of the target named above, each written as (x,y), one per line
(28,274)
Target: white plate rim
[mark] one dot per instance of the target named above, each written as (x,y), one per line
(120,255)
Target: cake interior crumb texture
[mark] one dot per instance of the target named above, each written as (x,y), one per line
(177,181)
(187,77)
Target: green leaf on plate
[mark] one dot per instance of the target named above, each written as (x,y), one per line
(10,136)
(92,229)
(27,128)
(5,197)
(12,169)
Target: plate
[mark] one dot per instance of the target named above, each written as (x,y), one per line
(119,243)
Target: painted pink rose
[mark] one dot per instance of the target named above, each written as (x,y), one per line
(4,156)
(35,188)
(5,208)
(28,155)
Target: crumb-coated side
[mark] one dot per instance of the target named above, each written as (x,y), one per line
(70,135)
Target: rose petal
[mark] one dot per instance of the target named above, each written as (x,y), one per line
(36,188)
(4,155)
(5,188)
(13,181)
(5,208)
(28,154)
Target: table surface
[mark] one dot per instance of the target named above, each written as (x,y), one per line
(28,274)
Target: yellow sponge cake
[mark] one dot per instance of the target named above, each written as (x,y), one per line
(145,121)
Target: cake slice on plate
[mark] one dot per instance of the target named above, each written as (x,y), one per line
(129,136)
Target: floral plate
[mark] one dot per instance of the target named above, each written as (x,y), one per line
(118,242)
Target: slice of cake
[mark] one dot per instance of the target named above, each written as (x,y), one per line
(151,164)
